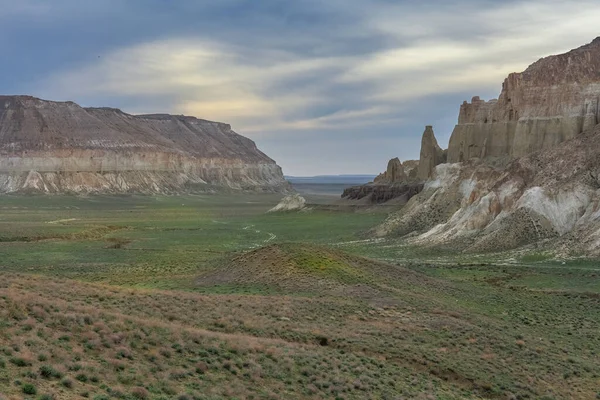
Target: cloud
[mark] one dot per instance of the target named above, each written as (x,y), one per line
(324,70)
(207,79)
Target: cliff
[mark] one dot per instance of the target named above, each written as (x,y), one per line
(550,197)
(56,147)
(529,171)
(553,100)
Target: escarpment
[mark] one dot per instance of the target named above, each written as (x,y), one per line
(520,170)
(59,147)
(553,100)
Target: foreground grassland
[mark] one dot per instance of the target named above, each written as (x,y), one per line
(208,297)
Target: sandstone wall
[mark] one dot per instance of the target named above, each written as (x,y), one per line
(555,99)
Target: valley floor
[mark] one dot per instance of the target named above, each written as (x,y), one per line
(208,297)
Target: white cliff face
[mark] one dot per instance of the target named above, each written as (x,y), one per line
(60,147)
(555,99)
(522,169)
(551,195)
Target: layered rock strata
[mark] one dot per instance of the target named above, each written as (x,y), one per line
(553,100)
(59,147)
(393,184)
(550,196)
(521,170)
(375,193)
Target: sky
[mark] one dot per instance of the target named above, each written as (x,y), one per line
(323,87)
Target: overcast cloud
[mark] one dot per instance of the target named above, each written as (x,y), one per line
(322,87)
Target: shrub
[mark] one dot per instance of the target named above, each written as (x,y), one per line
(140,393)
(201,367)
(48,372)
(28,388)
(82,377)
(68,383)
(30,374)
(20,362)
(46,397)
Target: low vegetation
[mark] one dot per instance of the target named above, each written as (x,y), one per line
(208,297)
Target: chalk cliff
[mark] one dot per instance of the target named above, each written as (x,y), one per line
(58,147)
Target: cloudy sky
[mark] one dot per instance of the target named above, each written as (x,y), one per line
(323,87)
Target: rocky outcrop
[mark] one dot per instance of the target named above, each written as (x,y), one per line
(59,147)
(393,184)
(293,202)
(431,154)
(411,168)
(374,193)
(550,196)
(529,168)
(553,100)
(393,174)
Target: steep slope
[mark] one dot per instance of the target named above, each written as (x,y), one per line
(551,196)
(553,100)
(521,169)
(58,147)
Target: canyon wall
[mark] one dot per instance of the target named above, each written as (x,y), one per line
(545,193)
(553,100)
(61,147)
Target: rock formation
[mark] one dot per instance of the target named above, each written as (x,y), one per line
(551,196)
(59,147)
(553,100)
(411,168)
(431,154)
(393,174)
(293,202)
(374,193)
(546,189)
(393,184)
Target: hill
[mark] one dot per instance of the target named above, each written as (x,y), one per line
(58,147)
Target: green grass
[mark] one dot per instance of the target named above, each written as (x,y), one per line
(162,241)
(208,296)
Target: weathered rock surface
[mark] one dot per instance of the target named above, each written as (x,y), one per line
(431,154)
(393,174)
(58,147)
(393,184)
(374,193)
(411,168)
(293,202)
(553,100)
(550,196)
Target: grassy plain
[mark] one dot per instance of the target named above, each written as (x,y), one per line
(208,297)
